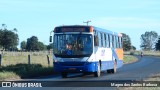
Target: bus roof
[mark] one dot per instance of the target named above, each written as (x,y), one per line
(88,27)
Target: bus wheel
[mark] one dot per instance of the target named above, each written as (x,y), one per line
(98,72)
(64,75)
(114,70)
(109,71)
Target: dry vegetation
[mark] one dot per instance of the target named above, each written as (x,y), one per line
(146,53)
(13,58)
(15,65)
(129,59)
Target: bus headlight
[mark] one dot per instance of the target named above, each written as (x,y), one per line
(58,60)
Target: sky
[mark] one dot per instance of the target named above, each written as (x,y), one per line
(40,17)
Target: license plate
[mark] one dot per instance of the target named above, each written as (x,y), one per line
(72,68)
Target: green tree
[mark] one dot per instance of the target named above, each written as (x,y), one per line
(148,40)
(34,45)
(50,46)
(23,45)
(126,42)
(41,46)
(8,39)
(157,46)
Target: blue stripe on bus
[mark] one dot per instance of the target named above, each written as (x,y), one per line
(84,66)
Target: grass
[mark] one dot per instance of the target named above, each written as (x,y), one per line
(23,71)
(15,65)
(129,59)
(154,77)
(13,58)
(8,75)
(146,53)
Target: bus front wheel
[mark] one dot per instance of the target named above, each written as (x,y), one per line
(98,72)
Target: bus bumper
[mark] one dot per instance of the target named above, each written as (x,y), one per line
(75,67)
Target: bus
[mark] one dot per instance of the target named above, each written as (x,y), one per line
(86,49)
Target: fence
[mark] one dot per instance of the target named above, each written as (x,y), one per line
(11,58)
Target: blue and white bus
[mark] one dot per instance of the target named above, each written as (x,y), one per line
(86,49)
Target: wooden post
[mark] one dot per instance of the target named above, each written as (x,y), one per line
(0,60)
(48,60)
(29,59)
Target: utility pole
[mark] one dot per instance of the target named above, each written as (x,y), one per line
(87,22)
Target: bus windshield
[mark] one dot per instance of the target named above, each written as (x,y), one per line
(73,45)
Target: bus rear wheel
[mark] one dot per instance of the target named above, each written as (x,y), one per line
(98,72)
(64,75)
(114,70)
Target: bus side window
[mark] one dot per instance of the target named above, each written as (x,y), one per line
(108,42)
(96,41)
(117,43)
(111,44)
(102,40)
(120,41)
(99,39)
(105,40)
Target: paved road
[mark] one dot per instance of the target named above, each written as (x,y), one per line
(145,67)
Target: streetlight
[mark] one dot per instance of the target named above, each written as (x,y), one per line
(87,22)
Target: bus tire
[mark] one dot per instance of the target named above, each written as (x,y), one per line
(114,70)
(109,71)
(98,72)
(64,75)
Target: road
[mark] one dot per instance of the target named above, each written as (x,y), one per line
(140,70)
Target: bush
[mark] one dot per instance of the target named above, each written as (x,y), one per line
(132,52)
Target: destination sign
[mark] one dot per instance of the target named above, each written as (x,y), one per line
(72,29)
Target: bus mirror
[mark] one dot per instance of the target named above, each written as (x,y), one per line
(50,39)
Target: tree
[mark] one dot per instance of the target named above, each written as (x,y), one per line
(126,42)
(133,47)
(23,45)
(8,39)
(50,46)
(157,46)
(34,45)
(41,46)
(148,40)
